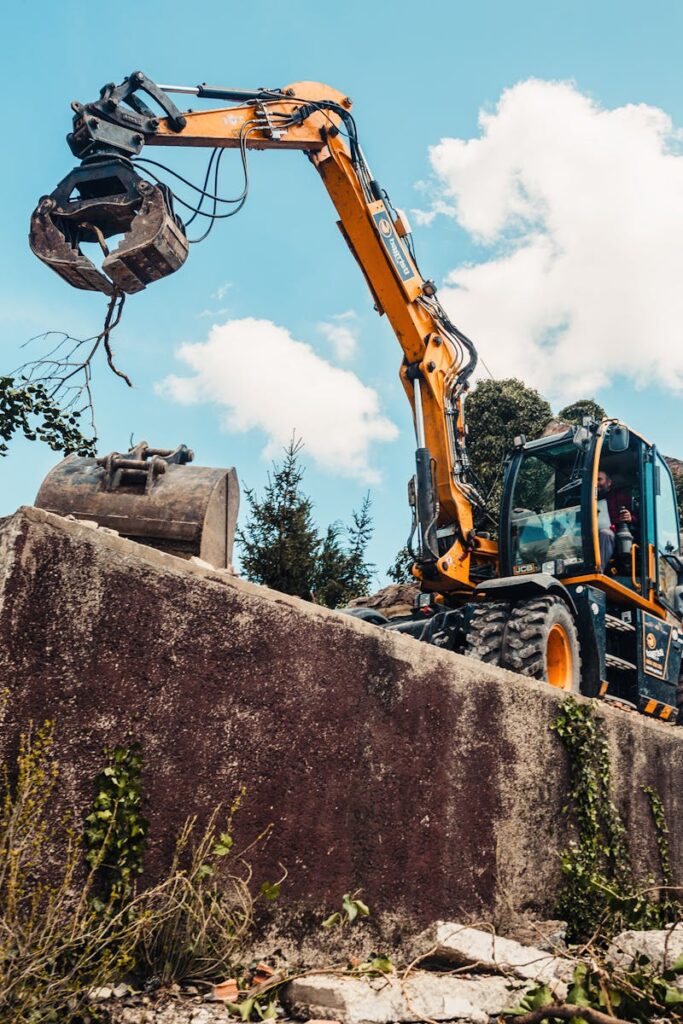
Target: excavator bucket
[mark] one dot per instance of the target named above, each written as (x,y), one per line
(101,198)
(152,496)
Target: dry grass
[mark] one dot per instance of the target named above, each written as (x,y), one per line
(56,941)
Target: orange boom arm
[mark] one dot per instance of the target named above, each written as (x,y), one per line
(438,359)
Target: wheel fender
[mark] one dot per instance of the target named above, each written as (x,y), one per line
(522,588)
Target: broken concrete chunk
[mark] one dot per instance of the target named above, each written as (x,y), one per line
(661,948)
(101,994)
(353,1000)
(548,935)
(457,944)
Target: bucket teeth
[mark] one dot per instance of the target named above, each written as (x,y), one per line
(153,246)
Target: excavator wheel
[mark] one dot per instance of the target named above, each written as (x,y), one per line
(486,635)
(541,641)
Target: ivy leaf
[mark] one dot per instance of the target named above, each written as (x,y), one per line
(672,997)
(350,909)
(271,891)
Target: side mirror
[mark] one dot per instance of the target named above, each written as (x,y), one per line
(619,438)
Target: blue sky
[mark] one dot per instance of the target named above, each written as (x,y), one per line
(416,76)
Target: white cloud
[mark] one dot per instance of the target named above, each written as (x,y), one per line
(342,334)
(582,210)
(223,290)
(267,380)
(204,314)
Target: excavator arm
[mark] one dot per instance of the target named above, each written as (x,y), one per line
(450,555)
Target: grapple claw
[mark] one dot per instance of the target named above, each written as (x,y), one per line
(111,199)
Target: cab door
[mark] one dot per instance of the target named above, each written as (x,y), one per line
(667,542)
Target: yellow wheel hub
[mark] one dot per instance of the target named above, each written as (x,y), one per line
(560,663)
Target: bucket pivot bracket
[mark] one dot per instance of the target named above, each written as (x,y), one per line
(141,465)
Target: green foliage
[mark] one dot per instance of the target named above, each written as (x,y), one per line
(115,831)
(400,571)
(641,994)
(344,572)
(256,1007)
(376,965)
(193,924)
(280,542)
(54,944)
(58,939)
(352,909)
(497,412)
(27,408)
(576,412)
(600,893)
(281,548)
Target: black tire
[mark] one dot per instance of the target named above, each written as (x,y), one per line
(486,635)
(536,631)
(679,697)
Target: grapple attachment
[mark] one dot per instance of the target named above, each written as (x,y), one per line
(152,496)
(101,198)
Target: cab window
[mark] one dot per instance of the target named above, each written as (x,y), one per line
(545,516)
(668,537)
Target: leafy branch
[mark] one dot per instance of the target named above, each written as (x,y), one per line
(23,402)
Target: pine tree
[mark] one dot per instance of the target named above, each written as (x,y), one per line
(331,582)
(281,548)
(279,543)
(344,572)
(400,572)
(360,571)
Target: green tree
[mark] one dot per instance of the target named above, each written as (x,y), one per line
(399,571)
(330,582)
(359,570)
(343,571)
(497,412)
(279,543)
(281,547)
(576,412)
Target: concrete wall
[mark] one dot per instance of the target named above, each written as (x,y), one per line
(428,780)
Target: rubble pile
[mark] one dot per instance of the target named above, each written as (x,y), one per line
(460,974)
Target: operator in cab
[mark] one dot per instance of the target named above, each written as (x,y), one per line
(614,507)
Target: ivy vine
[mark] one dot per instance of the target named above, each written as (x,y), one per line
(115,830)
(600,894)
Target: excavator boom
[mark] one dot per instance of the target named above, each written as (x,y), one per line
(438,359)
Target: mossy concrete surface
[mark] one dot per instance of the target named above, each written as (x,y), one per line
(427,780)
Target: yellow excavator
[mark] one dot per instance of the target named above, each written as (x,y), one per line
(564,590)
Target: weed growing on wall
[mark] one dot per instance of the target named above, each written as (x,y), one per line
(71,918)
(600,894)
(115,830)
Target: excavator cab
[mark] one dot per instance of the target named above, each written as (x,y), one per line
(626,595)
